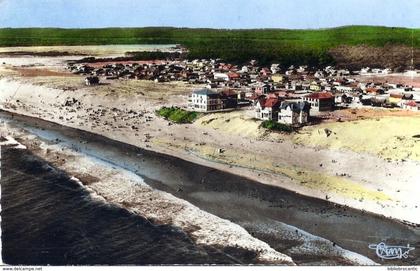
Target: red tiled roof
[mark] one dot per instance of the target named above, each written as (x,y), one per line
(281,93)
(372,90)
(411,103)
(320,95)
(233,75)
(271,102)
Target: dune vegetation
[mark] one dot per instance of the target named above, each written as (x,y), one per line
(177,115)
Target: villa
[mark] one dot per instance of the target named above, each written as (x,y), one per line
(320,101)
(294,113)
(205,100)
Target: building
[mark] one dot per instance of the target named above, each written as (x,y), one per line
(229,98)
(91,80)
(314,86)
(205,100)
(395,99)
(233,76)
(374,91)
(277,78)
(320,101)
(294,113)
(343,99)
(267,109)
(379,100)
(261,88)
(220,77)
(411,105)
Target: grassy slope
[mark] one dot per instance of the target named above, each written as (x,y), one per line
(267,45)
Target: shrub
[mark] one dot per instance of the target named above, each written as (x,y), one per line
(275,126)
(177,114)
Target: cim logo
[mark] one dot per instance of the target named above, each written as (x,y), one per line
(391,252)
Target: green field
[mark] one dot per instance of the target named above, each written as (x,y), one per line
(267,45)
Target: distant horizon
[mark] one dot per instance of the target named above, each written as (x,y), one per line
(212,14)
(180,27)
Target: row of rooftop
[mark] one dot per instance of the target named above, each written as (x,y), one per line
(217,73)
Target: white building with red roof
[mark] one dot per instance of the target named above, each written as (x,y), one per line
(411,105)
(320,101)
(267,108)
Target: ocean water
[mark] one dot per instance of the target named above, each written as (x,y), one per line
(49,219)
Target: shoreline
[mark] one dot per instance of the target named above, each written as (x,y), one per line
(117,187)
(210,164)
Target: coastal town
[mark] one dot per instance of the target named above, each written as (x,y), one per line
(294,96)
(303,145)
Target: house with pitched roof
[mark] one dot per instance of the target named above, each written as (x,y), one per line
(395,99)
(91,80)
(267,108)
(220,76)
(262,88)
(374,91)
(320,101)
(294,113)
(411,105)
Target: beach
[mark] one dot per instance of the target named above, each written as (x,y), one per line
(321,170)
